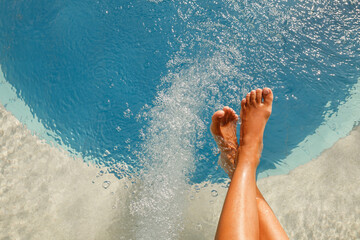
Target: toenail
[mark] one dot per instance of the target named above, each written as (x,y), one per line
(266,91)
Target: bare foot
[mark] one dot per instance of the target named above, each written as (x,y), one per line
(223,129)
(253,115)
(255,112)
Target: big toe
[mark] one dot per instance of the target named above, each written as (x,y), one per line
(230,115)
(268,96)
(216,122)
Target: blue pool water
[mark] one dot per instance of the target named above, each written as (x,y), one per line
(136,82)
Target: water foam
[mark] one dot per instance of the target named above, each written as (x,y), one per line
(173,133)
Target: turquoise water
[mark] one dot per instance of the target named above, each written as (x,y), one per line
(130,87)
(136,82)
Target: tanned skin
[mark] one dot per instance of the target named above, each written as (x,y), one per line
(245,214)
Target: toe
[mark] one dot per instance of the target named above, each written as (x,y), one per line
(247,103)
(253,97)
(228,114)
(216,122)
(268,96)
(243,107)
(258,95)
(232,116)
(243,103)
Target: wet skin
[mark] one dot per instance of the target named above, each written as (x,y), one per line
(245,214)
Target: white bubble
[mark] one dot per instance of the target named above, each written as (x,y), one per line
(106,184)
(107,152)
(214,193)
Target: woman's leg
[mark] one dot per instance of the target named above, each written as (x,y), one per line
(239,216)
(223,128)
(270,228)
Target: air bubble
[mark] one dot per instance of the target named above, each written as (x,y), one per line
(107,152)
(127,113)
(214,193)
(106,184)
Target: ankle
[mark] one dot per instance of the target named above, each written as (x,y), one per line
(248,157)
(251,148)
(252,141)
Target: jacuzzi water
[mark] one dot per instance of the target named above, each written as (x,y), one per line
(130,87)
